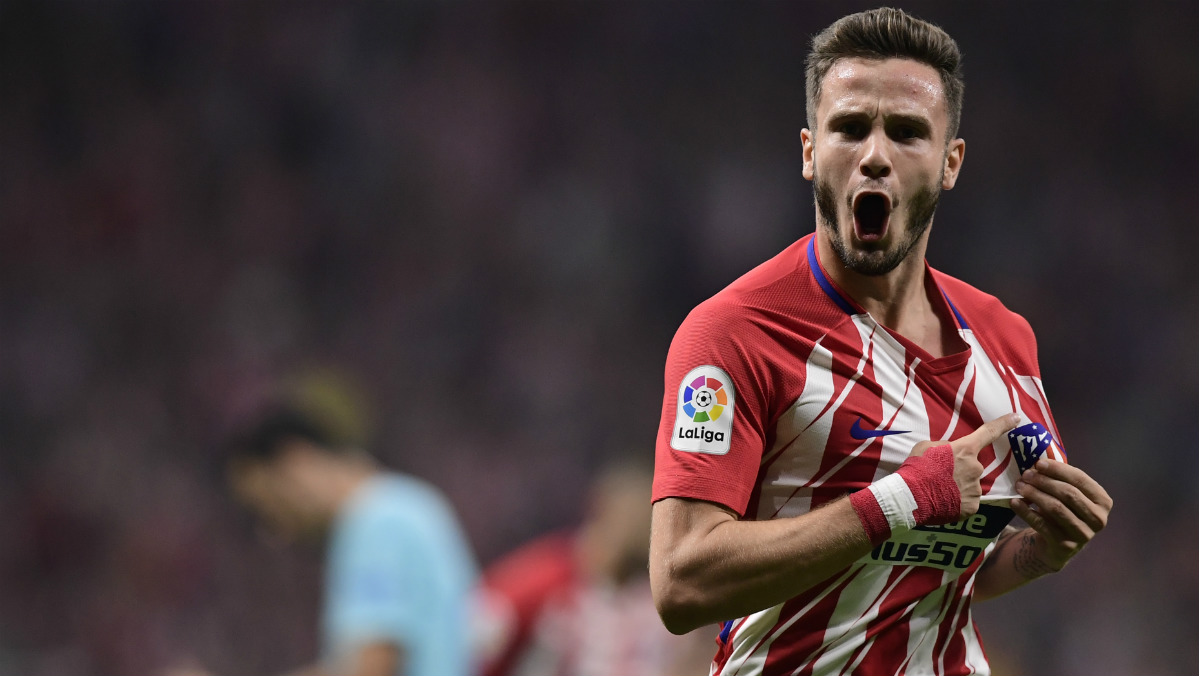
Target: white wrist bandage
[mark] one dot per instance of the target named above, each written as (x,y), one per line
(896,500)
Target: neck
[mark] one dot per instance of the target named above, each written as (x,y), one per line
(900,300)
(341,481)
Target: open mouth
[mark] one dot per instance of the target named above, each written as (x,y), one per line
(871,214)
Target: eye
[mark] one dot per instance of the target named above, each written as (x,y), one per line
(907,132)
(853,129)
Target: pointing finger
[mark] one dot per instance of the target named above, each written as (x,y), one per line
(988,433)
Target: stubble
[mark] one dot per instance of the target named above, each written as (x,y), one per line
(877,261)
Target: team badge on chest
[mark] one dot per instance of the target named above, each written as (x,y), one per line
(704,412)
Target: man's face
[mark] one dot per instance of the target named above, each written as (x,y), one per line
(273,491)
(879,159)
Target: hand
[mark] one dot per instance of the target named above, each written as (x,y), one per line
(967,468)
(1064,506)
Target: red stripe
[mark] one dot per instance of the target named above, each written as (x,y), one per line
(846,333)
(890,629)
(863,396)
(806,633)
(854,656)
(949,649)
(939,395)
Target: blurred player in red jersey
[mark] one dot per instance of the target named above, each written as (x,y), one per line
(578,603)
(799,500)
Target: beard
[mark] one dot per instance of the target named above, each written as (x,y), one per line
(877,258)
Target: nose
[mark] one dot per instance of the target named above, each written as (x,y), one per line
(876,160)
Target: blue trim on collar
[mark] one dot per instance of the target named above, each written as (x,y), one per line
(824,282)
(726,626)
(842,303)
(957,315)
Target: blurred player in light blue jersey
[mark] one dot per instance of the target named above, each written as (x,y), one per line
(399,571)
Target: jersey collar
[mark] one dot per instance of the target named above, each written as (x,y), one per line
(848,304)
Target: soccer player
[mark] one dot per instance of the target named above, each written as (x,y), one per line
(798,497)
(578,603)
(400,575)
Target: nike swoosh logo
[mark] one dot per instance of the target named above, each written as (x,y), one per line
(857,431)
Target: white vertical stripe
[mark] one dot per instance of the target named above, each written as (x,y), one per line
(848,624)
(751,648)
(898,392)
(922,630)
(994,398)
(991,397)
(963,606)
(805,426)
(849,668)
(746,638)
(974,659)
(1031,388)
(903,402)
(801,427)
(912,417)
(1046,403)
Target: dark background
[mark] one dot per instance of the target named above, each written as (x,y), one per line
(474,228)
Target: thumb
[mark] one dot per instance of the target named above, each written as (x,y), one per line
(987,434)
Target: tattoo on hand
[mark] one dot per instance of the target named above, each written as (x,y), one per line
(1026,561)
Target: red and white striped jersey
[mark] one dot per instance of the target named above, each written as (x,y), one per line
(782,394)
(543,617)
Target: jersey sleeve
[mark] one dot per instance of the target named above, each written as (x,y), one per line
(1031,398)
(715,411)
(1012,344)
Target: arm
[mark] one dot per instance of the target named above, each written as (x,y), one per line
(706,566)
(1064,508)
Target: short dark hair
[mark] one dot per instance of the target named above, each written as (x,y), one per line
(264,439)
(882,34)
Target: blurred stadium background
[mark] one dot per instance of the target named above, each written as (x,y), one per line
(473,228)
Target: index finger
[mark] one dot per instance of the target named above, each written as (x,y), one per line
(1077,478)
(987,434)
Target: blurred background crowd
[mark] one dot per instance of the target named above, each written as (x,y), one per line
(472,228)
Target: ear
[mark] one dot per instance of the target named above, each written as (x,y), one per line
(807,138)
(954,159)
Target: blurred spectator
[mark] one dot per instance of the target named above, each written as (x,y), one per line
(578,603)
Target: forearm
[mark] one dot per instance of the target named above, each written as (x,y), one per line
(732,568)
(1016,560)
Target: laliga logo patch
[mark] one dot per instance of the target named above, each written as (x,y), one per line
(704,412)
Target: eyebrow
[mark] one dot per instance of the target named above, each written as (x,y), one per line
(918,121)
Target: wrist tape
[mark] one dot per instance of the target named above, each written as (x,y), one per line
(921,492)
